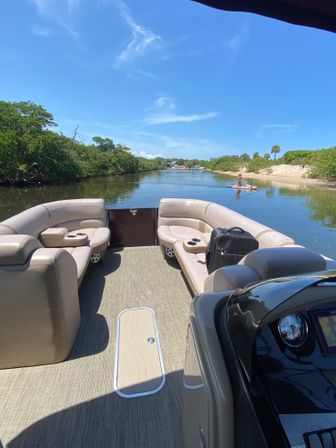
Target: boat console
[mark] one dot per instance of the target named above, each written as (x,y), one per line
(275,384)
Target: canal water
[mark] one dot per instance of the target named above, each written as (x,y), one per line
(306,214)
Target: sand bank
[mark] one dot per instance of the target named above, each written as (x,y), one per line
(282,175)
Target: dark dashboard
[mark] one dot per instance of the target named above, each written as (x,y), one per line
(279,340)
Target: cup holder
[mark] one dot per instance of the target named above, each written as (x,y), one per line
(71,236)
(81,234)
(191,243)
(197,240)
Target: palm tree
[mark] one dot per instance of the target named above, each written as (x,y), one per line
(275,150)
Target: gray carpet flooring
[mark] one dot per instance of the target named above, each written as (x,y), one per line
(73,404)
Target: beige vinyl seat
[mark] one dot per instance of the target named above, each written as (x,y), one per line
(183,219)
(193,266)
(98,238)
(82,215)
(82,256)
(75,215)
(278,255)
(180,219)
(39,308)
(39,316)
(263,264)
(169,235)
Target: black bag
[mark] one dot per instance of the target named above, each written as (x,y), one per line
(228,246)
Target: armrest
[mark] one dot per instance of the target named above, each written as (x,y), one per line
(16,249)
(61,237)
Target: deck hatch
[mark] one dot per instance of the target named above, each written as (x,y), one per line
(138,366)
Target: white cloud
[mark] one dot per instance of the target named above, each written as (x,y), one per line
(142,39)
(174,118)
(58,12)
(237,41)
(162,113)
(143,153)
(163,102)
(148,144)
(42,31)
(278,128)
(187,147)
(141,73)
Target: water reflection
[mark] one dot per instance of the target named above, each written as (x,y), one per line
(306,214)
(321,203)
(269,192)
(112,188)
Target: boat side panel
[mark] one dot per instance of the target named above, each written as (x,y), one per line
(206,381)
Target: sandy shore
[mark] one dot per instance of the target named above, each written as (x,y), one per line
(284,175)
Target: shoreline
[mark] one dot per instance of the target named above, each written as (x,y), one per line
(282,179)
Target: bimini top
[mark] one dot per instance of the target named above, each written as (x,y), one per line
(313,13)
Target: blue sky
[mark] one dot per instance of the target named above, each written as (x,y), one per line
(171,77)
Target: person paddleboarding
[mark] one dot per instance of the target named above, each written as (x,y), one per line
(239,180)
(239,185)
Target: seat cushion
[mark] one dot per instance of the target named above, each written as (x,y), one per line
(168,235)
(193,267)
(81,256)
(98,238)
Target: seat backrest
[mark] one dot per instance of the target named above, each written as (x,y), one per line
(183,212)
(220,216)
(29,222)
(182,208)
(77,213)
(205,216)
(282,261)
(272,238)
(72,214)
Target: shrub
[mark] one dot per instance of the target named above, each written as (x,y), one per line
(225,163)
(298,157)
(258,164)
(323,164)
